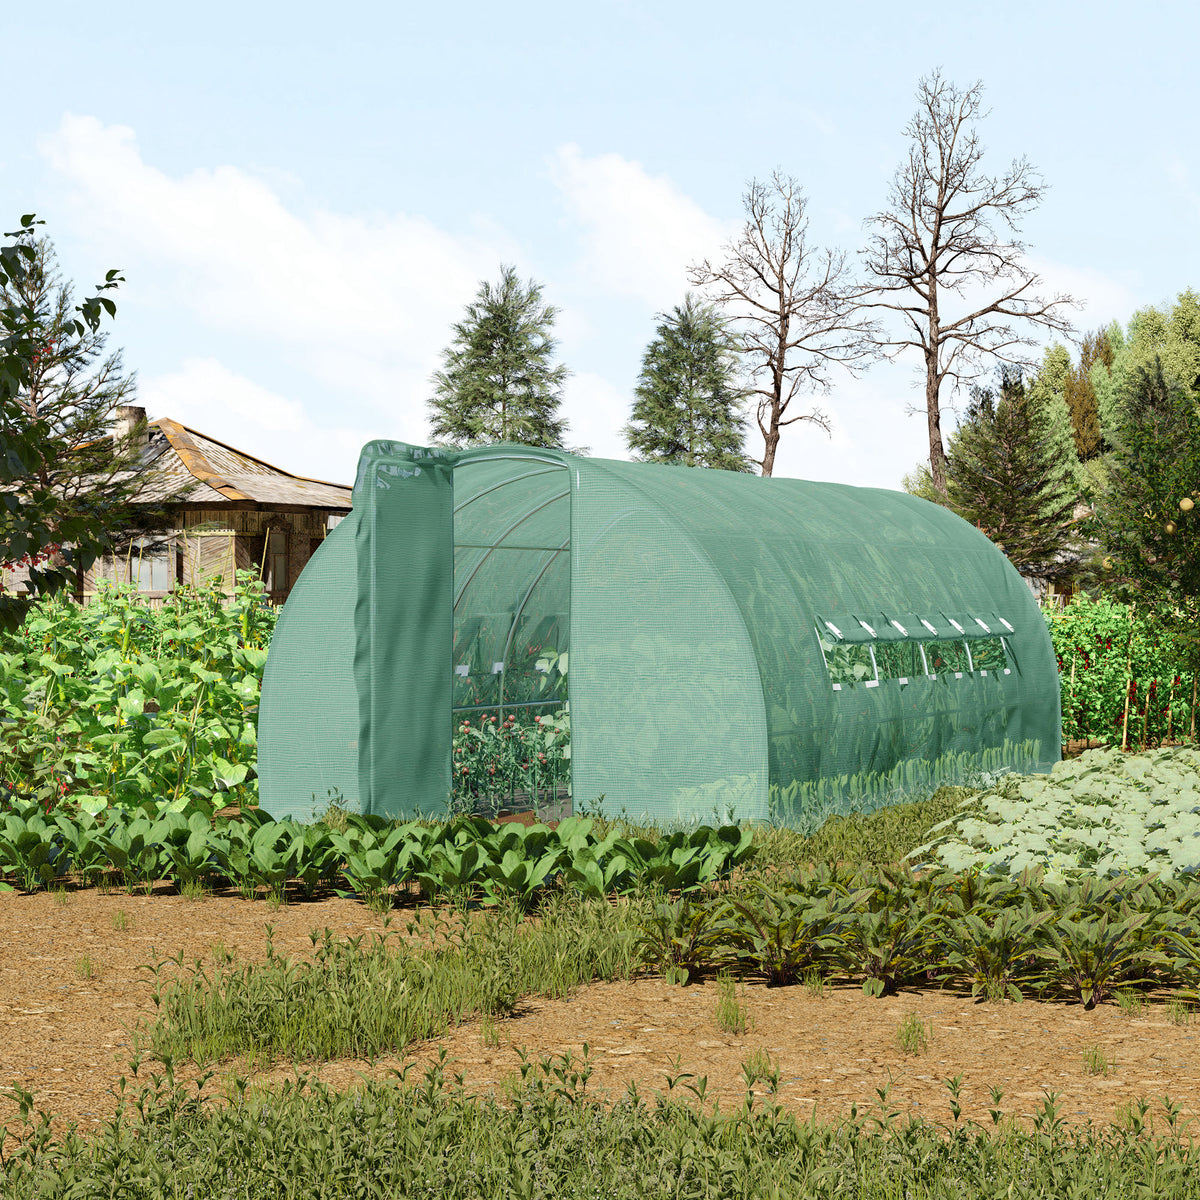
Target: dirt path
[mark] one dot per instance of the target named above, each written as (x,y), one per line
(67,1037)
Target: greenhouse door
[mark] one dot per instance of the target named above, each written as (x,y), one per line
(403,628)
(512,599)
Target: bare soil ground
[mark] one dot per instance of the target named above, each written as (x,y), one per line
(68,1038)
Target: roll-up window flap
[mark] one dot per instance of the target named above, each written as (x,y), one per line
(844,627)
(966,625)
(1000,626)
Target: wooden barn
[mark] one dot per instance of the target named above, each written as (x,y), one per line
(234,512)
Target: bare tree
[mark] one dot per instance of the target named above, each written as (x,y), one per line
(790,305)
(939,235)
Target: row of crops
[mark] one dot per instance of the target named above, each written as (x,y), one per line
(1004,938)
(465,859)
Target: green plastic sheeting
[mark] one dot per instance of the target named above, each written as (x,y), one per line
(774,647)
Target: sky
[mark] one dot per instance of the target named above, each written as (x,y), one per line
(303,200)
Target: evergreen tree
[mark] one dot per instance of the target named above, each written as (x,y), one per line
(497,383)
(1107,380)
(74,481)
(1006,477)
(686,410)
(1048,390)
(1147,518)
(1080,395)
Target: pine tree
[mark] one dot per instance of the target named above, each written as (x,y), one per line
(497,383)
(1080,395)
(1005,476)
(686,410)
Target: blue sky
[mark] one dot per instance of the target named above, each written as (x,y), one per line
(302,200)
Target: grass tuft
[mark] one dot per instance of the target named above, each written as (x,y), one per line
(1097,1062)
(912,1034)
(731,1016)
(1131,1003)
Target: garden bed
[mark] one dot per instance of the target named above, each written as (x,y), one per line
(68,1037)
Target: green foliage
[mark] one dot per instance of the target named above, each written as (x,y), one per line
(808,804)
(467,859)
(679,938)
(46,349)
(1170,336)
(1007,477)
(1147,516)
(1102,812)
(497,383)
(1087,959)
(891,941)
(1082,940)
(686,406)
(997,953)
(782,934)
(1080,393)
(731,1015)
(1110,652)
(360,998)
(919,482)
(117,703)
(425,1137)
(912,1034)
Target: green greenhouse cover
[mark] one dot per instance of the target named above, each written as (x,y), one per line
(770,648)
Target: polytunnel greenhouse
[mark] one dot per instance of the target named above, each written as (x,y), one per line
(713,641)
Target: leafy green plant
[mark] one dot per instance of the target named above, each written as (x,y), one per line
(1103,647)
(545,1134)
(522,760)
(31,848)
(785,933)
(996,950)
(1101,813)
(891,943)
(759,1067)
(681,938)
(117,702)
(1089,959)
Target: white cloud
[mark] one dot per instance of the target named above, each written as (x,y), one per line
(596,412)
(874,442)
(363,304)
(233,409)
(639,233)
(1104,297)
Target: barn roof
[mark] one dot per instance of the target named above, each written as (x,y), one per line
(186,466)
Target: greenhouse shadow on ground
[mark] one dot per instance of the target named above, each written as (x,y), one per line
(773,647)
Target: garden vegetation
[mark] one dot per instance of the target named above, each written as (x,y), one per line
(129,760)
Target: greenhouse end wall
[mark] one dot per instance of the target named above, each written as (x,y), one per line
(772,648)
